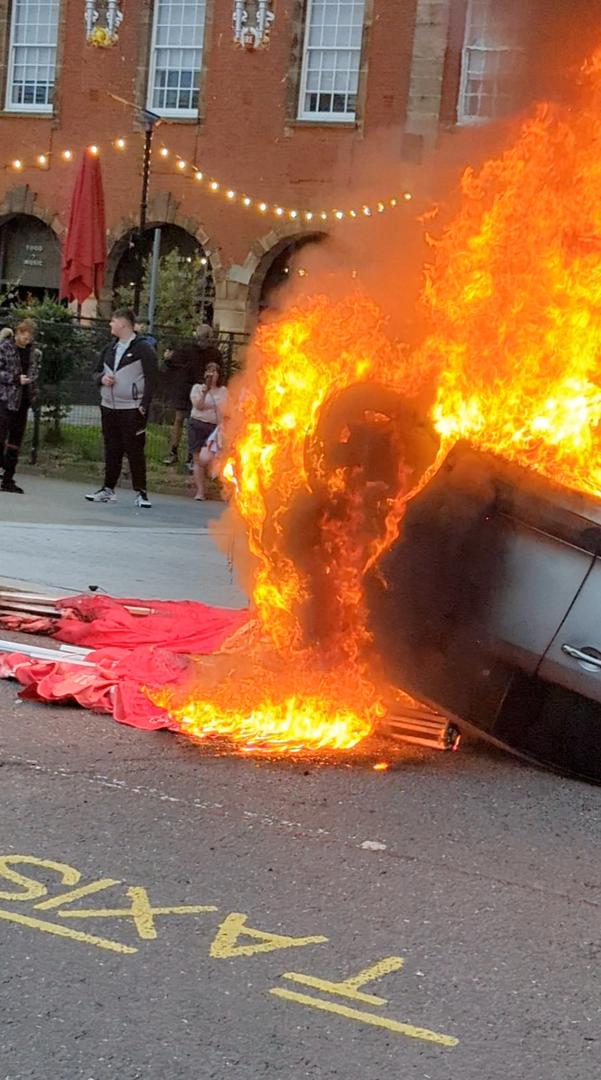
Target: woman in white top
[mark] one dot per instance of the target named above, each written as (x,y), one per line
(209,406)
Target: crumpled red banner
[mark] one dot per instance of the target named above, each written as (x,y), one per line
(129,653)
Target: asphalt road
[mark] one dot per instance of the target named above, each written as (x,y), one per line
(477,875)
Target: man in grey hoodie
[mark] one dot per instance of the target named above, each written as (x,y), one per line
(127,373)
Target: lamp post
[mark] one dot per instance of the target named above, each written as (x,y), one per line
(150,120)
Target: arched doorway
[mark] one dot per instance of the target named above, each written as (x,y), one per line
(30,258)
(175,243)
(277,269)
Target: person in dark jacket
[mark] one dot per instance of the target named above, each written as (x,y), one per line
(186,366)
(19,371)
(127,373)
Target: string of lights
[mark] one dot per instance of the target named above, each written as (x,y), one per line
(264,207)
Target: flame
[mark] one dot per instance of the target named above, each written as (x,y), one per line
(514,296)
(311,530)
(512,364)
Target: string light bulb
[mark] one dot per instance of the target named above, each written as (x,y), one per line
(43,161)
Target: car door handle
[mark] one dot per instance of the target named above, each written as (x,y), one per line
(590,658)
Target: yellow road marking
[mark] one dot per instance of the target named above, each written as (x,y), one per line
(366,1018)
(234,926)
(76,894)
(140,911)
(33,889)
(349,987)
(64,931)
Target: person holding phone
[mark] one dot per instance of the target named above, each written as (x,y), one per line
(209,407)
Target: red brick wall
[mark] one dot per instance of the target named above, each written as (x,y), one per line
(247,135)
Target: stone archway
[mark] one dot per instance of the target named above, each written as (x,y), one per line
(30,244)
(238,293)
(163,209)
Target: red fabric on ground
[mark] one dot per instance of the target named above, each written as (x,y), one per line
(129,653)
(182,626)
(113,684)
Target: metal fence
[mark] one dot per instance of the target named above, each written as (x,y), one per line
(65,431)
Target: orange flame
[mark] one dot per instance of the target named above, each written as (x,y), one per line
(310,529)
(512,363)
(515,299)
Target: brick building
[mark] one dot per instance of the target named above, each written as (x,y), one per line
(292,124)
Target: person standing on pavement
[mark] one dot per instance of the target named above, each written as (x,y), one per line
(209,409)
(127,373)
(185,367)
(19,370)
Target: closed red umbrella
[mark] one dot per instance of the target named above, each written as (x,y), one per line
(84,253)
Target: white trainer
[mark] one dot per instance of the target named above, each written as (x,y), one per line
(103,495)
(142,500)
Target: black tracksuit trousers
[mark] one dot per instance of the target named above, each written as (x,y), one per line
(12,430)
(124,432)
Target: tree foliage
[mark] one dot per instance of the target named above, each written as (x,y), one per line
(178,298)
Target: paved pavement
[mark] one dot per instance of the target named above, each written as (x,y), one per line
(173,913)
(52,537)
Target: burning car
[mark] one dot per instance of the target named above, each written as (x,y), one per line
(487,608)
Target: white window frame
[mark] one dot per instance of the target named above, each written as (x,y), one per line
(179,114)
(465,118)
(13,50)
(324,117)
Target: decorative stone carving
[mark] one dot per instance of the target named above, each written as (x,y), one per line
(102,21)
(248,34)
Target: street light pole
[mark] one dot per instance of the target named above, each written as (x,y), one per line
(149,120)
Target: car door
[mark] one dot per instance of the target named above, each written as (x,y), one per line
(573,658)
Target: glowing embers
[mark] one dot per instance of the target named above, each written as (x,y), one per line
(515,297)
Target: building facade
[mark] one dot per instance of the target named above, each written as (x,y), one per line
(269,114)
